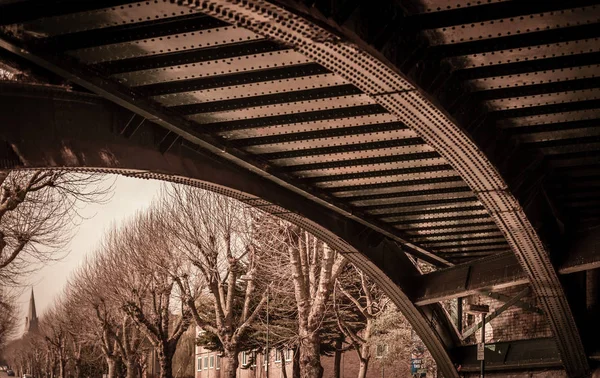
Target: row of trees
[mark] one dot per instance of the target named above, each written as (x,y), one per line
(195,258)
(38,212)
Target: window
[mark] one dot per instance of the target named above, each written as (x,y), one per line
(199,364)
(381,350)
(205,362)
(288,354)
(277,355)
(254,359)
(218,362)
(212,362)
(244,358)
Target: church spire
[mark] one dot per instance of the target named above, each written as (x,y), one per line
(31,321)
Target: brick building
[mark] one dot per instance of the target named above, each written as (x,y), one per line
(508,326)
(208,365)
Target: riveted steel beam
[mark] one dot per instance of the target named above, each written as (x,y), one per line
(182,127)
(491,273)
(61,144)
(584,254)
(391,93)
(475,13)
(505,298)
(511,355)
(430,121)
(500,271)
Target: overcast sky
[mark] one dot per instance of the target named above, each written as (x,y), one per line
(130,195)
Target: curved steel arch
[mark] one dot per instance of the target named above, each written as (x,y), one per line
(83,132)
(399,97)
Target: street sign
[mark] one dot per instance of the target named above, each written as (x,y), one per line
(480,351)
(416,364)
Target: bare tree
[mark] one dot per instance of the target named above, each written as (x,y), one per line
(74,320)
(217,236)
(55,333)
(184,359)
(88,290)
(38,209)
(146,294)
(314,267)
(8,319)
(363,296)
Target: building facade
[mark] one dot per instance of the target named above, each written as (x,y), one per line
(252,365)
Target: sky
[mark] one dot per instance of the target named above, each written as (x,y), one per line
(129,196)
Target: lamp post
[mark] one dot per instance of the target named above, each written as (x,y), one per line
(483,310)
(267,354)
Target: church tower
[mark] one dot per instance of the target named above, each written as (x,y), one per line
(31,321)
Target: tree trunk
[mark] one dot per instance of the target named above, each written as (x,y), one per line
(296,363)
(131,367)
(337,358)
(62,368)
(364,364)
(112,367)
(54,368)
(165,360)
(365,351)
(230,362)
(77,366)
(310,356)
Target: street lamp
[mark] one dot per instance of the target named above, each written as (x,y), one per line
(248,278)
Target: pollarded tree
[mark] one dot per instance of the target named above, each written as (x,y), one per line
(55,333)
(88,291)
(356,294)
(37,213)
(75,323)
(301,265)
(216,235)
(146,293)
(314,267)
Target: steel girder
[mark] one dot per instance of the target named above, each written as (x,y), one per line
(394,93)
(267,105)
(494,273)
(500,271)
(86,133)
(435,126)
(404,100)
(511,355)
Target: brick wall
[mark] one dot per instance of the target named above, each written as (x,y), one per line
(513,324)
(349,364)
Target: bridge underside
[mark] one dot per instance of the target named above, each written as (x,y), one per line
(462,133)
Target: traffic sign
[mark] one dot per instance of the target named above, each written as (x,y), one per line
(480,351)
